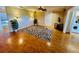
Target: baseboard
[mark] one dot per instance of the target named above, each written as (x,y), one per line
(67,32)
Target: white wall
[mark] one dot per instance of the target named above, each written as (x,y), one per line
(48,19)
(68,20)
(51,19)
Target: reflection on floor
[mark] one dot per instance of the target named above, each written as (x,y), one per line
(21,41)
(73,43)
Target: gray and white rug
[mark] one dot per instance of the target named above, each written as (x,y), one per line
(40,32)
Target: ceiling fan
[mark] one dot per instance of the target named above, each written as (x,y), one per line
(42,9)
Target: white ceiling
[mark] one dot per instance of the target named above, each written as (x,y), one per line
(49,8)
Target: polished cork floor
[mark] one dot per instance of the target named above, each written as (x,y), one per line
(21,41)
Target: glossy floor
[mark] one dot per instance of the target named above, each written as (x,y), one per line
(20,41)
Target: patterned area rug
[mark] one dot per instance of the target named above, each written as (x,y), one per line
(40,32)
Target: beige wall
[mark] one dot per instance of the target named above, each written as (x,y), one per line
(52,17)
(14,12)
(42,17)
(39,16)
(67,21)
